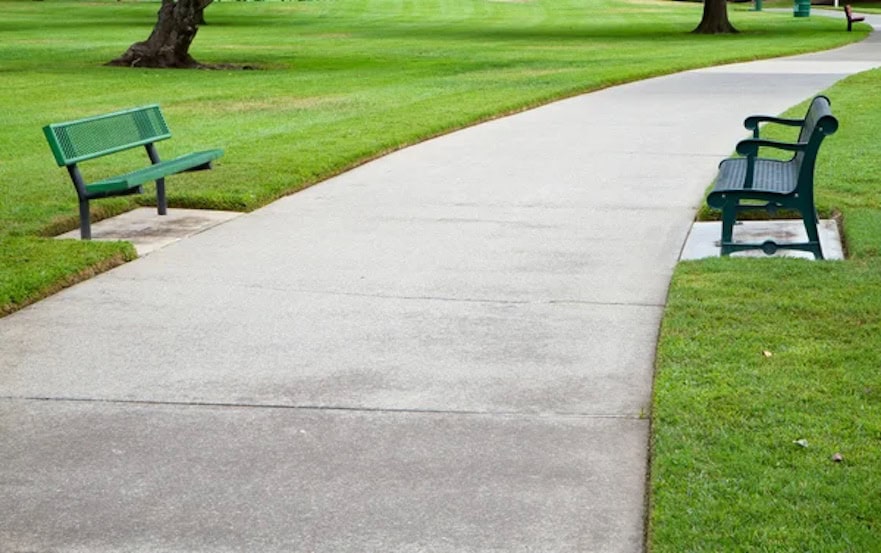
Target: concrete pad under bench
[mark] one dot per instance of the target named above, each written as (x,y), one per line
(703,240)
(149,231)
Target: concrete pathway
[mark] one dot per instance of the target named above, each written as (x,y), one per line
(449,349)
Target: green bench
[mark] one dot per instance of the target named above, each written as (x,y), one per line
(101,135)
(755,183)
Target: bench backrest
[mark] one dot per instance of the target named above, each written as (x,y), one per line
(819,123)
(92,137)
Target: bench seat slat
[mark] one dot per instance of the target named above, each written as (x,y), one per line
(770,175)
(136,178)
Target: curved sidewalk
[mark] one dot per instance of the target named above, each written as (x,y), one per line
(449,349)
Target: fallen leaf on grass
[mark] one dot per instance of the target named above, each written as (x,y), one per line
(801,442)
(767,353)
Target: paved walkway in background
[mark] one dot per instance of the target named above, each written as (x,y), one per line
(449,349)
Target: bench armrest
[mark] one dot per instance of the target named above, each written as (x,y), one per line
(752,122)
(749,147)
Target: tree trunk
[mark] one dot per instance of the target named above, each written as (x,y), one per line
(169,43)
(715,19)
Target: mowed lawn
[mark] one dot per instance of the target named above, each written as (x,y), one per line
(334,83)
(767,415)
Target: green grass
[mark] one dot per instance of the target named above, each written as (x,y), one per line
(28,264)
(874,7)
(726,473)
(340,82)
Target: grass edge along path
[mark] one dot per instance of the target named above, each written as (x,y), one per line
(48,265)
(355,79)
(766,422)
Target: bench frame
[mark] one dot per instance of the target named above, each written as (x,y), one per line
(84,139)
(773,187)
(848,12)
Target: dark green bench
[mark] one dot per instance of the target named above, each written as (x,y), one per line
(101,135)
(752,182)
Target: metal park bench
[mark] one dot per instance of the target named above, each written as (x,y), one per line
(85,139)
(772,184)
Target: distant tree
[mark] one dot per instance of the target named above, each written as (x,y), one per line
(169,43)
(715,19)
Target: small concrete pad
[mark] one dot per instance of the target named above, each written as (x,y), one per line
(703,240)
(149,231)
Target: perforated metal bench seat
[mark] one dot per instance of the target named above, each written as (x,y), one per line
(134,179)
(770,175)
(73,142)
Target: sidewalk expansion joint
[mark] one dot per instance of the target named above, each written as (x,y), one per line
(328,408)
(404,297)
(450,299)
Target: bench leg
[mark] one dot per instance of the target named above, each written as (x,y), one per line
(85,225)
(811,220)
(729,215)
(160,196)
